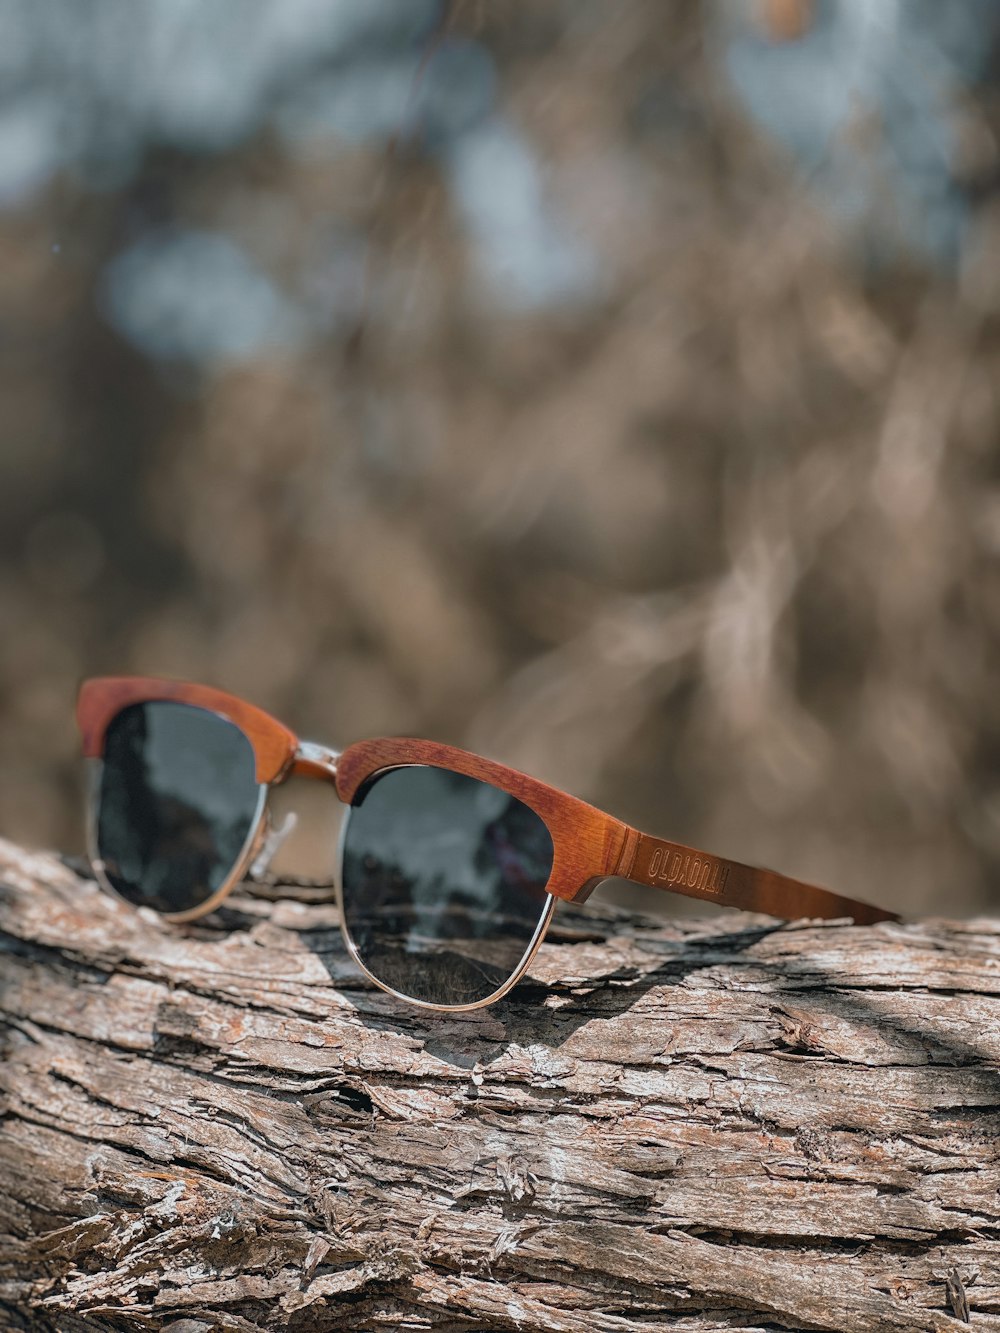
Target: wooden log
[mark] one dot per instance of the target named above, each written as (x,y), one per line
(702,1125)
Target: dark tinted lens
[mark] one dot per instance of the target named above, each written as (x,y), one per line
(443,883)
(178,799)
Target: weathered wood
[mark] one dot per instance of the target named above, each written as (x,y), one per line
(705,1125)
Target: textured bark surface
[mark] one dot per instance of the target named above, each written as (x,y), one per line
(708,1125)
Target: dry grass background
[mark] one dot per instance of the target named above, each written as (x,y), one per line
(714,544)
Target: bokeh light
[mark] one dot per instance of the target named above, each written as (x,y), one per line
(610,388)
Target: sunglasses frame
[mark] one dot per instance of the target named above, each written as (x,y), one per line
(588,845)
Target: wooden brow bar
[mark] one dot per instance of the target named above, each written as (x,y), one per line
(679,869)
(590,845)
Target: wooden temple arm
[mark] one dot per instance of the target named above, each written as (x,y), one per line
(680,869)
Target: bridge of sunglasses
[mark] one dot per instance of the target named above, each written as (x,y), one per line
(313,760)
(310,759)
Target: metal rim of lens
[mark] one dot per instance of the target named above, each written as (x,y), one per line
(251,846)
(352,948)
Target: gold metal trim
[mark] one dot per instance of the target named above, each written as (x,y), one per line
(508,985)
(251,846)
(325,756)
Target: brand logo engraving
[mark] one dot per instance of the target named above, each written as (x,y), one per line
(691,869)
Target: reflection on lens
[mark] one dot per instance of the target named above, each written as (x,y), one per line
(443,883)
(178,800)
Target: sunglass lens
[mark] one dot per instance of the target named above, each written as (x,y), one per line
(178,802)
(443,883)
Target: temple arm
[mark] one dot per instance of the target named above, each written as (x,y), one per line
(680,869)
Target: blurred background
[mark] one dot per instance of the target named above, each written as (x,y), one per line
(612,389)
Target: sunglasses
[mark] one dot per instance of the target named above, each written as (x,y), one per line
(449,865)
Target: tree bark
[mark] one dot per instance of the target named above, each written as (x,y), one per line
(701,1125)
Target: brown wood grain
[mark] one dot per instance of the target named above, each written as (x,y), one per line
(586,842)
(101,698)
(679,869)
(693,1126)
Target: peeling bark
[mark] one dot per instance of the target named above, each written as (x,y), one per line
(700,1125)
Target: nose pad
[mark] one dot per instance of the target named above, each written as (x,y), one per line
(275,837)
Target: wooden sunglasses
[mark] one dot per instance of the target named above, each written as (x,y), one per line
(582,844)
